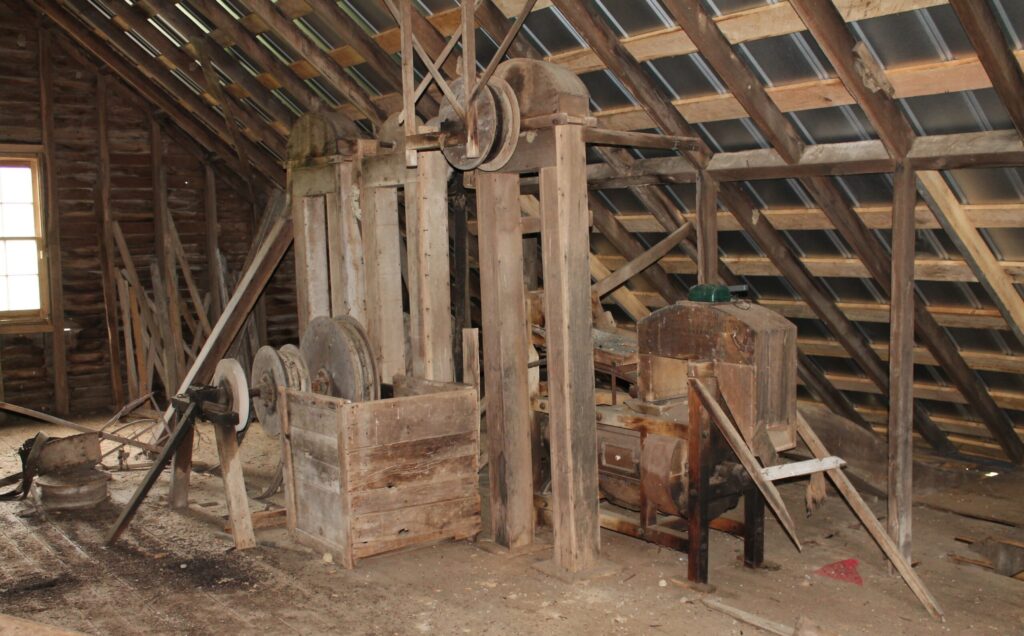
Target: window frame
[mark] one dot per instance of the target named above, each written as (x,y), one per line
(31,320)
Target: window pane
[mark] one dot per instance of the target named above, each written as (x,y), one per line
(17,219)
(22,258)
(5,305)
(23,292)
(3,261)
(15,184)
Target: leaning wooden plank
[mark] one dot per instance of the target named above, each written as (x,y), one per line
(871,523)
(642,262)
(228,325)
(52,419)
(747,458)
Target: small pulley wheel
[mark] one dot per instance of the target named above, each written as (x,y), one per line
(508,125)
(230,376)
(339,359)
(486,110)
(295,366)
(268,373)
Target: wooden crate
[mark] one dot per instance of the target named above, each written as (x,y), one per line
(371,477)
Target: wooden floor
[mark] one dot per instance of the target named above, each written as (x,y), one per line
(176,573)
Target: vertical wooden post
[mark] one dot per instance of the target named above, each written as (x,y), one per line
(309,217)
(234,487)
(707,229)
(565,241)
(753,528)
(53,255)
(106,244)
(213,269)
(699,469)
(469,75)
(459,222)
(128,329)
(174,348)
(408,56)
(901,359)
(382,248)
(471,358)
(345,246)
(426,228)
(505,340)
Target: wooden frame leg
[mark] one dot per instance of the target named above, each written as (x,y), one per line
(234,487)
(182,471)
(753,528)
(699,473)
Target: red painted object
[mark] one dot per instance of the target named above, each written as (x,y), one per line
(845,570)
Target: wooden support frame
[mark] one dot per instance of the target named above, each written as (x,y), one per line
(505,342)
(53,253)
(426,229)
(106,248)
(901,361)
(382,247)
(573,434)
(707,230)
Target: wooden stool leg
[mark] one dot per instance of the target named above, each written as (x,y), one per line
(234,488)
(753,529)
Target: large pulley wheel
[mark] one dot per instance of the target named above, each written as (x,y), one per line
(230,376)
(508,125)
(272,369)
(485,109)
(339,358)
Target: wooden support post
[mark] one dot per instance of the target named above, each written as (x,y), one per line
(106,244)
(127,329)
(460,291)
(52,222)
(174,348)
(565,240)
(426,228)
(901,360)
(471,358)
(234,487)
(699,467)
(309,216)
(345,246)
(707,230)
(382,247)
(505,335)
(753,528)
(213,269)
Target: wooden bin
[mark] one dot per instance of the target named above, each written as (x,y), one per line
(371,477)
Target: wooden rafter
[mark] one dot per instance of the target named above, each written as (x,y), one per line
(996,54)
(829,29)
(654,100)
(148,77)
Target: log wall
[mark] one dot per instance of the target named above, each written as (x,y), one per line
(27,370)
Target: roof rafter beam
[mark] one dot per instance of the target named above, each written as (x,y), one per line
(148,77)
(256,91)
(996,54)
(828,28)
(654,100)
(134,18)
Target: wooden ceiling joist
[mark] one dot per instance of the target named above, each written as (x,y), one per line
(995,53)
(149,77)
(831,32)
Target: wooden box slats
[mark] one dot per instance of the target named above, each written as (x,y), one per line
(371,477)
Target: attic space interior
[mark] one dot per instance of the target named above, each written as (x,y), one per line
(511,316)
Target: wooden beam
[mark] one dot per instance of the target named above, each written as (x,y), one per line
(353,35)
(106,243)
(174,343)
(324,64)
(747,89)
(901,362)
(573,434)
(382,251)
(640,263)
(426,229)
(145,76)
(231,67)
(212,236)
(858,75)
(996,54)
(989,271)
(134,19)
(707,230)
(54,270)
(505,342)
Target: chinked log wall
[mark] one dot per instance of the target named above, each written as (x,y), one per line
(26,359)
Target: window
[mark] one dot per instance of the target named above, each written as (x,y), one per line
(22,288)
